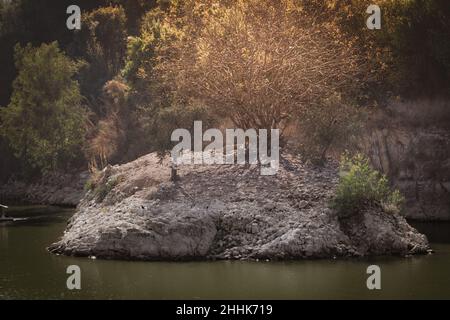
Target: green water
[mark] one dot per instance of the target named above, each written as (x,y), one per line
(28,271)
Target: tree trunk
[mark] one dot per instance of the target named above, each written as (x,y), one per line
(174,174)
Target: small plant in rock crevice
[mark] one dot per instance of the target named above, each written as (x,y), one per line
(102,190)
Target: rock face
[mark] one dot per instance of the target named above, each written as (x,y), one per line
(52,189)
(226,212)
(409,141)
(418,163)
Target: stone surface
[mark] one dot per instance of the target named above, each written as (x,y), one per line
(60,189)
(417,161)
(226,212)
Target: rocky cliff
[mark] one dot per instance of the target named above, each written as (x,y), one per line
(134,211)
(410,143)
(61,189)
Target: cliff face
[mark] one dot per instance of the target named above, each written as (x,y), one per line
(416,158)
(226,212)
(60,189)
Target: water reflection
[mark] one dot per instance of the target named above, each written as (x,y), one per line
(27,270)
(3,235)
(437,232)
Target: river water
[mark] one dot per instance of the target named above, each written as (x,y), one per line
(28,271)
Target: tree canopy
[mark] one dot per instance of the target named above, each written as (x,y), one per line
(44,122)
(142,68)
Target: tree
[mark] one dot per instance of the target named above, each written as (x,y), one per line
(258,63)
(261,64)
(159,110)
(102,44)
(134,10)
(44,122)
(410,54)
(331,124)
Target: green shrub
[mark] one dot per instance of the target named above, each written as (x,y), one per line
(93,181)
(360,185)
(89,185)
(102,190)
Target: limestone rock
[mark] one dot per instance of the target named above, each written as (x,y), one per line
(227,212)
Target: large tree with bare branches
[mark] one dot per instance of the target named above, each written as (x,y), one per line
(258,63)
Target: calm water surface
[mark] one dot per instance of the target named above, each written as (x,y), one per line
(28,271)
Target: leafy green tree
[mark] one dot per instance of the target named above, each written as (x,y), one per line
(159,108)
(44,122)
(102,44)
(35,22)
(134,10)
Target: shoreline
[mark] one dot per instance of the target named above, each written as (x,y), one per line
(57,189)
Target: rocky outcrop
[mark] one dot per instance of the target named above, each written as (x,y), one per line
(409,141)
(60,189)
(417,161)
(134,211)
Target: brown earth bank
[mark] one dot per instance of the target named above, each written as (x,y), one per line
(134,211)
